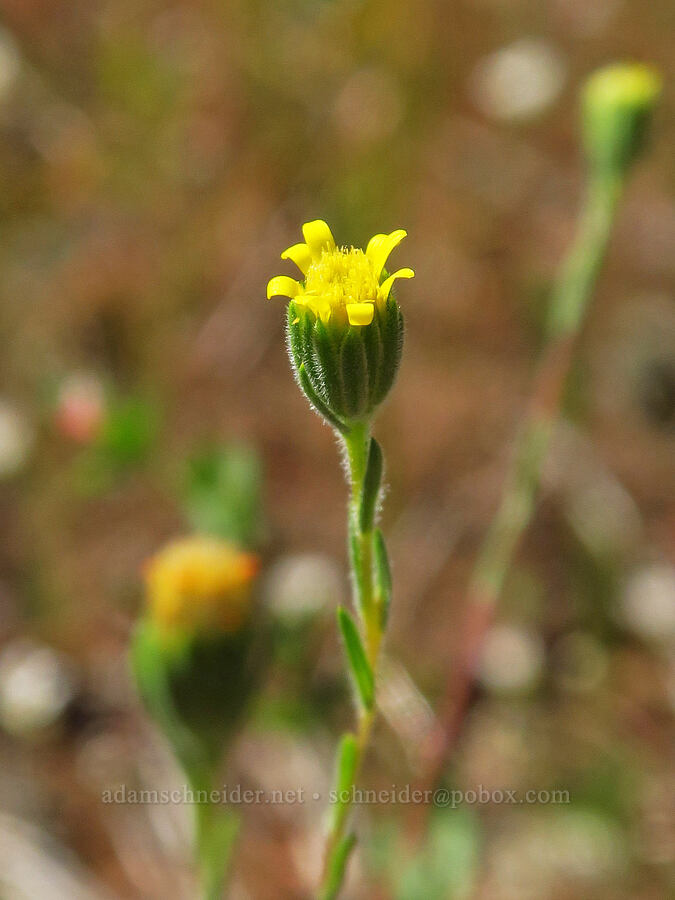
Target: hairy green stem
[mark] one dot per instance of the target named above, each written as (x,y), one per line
(368,603)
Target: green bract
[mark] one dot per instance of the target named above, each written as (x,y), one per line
(195,686)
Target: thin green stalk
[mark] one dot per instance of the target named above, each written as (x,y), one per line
(363,458)
(570,301)
(215,833)
(357,444)
(574,286)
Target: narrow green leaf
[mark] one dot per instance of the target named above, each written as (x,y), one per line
(356,559)
(371,487)
(383,584)
(316,401)
(362,673)
(337,866)
(345,773)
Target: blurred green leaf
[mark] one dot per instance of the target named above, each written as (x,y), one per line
(347,759)
(364,680)
(446,866)
(336,867)
(223,494)
(383,584)
(129,432)
(125,441)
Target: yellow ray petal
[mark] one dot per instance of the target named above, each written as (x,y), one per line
(360,313)
(301,255)
(282,286)
(373,244)
(380,246)
(385,287)
(318,236)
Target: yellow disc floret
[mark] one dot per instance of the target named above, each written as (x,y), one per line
(341,284)
(337,279)
(200,583)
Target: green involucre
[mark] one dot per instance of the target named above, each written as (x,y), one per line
(349,369)
(195,686)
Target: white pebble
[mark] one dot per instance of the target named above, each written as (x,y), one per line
(519,81)
(512,659)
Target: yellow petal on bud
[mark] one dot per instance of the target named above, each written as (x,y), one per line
(282,286)
(373,244)
(360,313)
(301,255)
(380,247)
(385,287)
(340,284)
(318,236)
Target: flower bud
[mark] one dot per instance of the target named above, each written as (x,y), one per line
(618,102)
(345,328)
(192,653)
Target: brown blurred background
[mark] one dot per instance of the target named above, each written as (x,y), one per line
(154,159)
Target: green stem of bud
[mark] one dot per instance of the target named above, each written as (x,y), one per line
(365,468)
(571,298)
(582,265)
(616,116)
(371,580)
(216,830)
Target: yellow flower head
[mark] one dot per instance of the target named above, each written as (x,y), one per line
(200,583)
(340,284)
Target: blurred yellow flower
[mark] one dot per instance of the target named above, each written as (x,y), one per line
(200,583)
(618,104)
(628,84)
(340,283)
